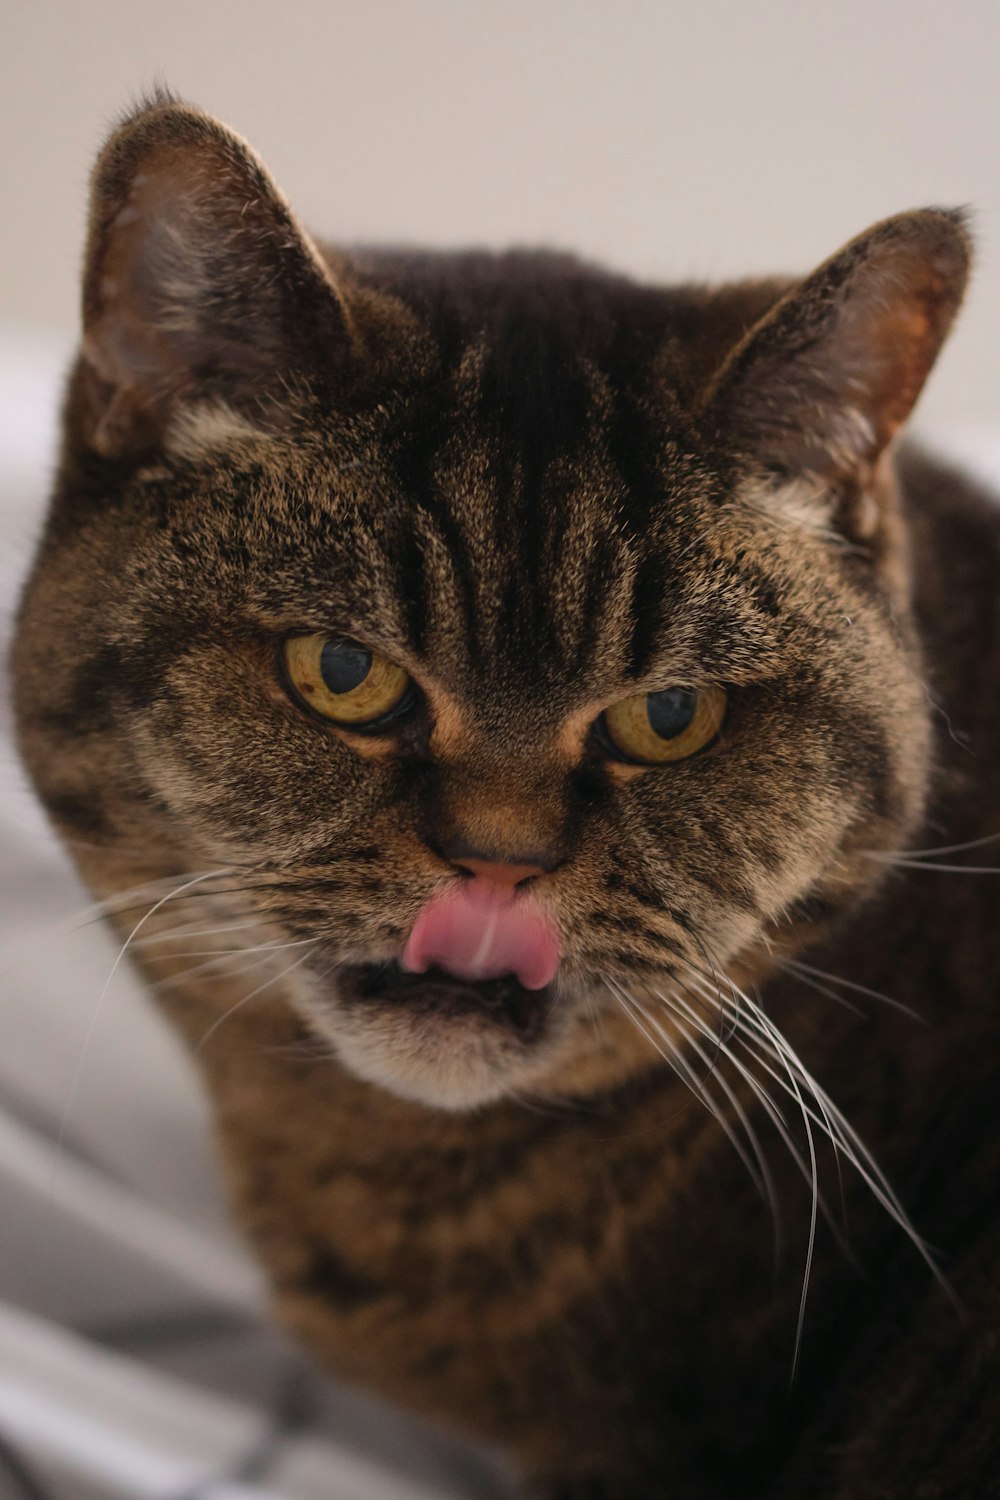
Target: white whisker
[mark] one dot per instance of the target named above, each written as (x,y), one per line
(893,854)
(898,863)
(766,1181)
(757,1032)
(228,962)
(236,952)
(773,1110)
(96,911)
(801,970)
(809,1172)
(245,1000)
(192,930)
(92,1026)
(676,1060)
(845,1139)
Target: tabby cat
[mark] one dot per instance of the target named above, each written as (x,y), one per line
(545,698)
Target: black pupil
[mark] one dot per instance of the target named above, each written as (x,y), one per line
(343,667)
(671,711)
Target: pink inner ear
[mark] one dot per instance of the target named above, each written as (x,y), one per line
(477,930)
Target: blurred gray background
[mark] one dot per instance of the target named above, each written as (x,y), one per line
(673,138)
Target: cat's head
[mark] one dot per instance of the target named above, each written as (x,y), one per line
(521,643)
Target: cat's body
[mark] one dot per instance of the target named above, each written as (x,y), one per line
(533,484)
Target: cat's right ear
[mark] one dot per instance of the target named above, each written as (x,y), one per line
(824,382)
(198,281)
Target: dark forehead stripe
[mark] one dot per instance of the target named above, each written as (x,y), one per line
(649,588)
(534,392)
(413,584)
(602,574)
(536,408)
(416,458)
(543,369)
(503,521)
(633,455)
(537,411)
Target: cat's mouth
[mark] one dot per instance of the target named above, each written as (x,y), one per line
(465,1012)
(503,1001)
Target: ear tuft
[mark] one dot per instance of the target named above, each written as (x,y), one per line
(826,379)
(198,281)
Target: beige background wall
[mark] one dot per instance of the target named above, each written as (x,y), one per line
(674,138)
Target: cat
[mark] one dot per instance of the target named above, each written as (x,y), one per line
(546,697)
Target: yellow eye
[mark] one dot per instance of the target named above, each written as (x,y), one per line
(654,728)
(344,682)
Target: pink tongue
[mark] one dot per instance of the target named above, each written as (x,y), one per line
(479,931)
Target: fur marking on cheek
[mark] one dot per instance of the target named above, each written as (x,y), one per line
(479,932)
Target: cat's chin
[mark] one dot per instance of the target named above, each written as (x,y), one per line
(447,1043)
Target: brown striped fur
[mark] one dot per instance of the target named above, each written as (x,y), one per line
(540,488)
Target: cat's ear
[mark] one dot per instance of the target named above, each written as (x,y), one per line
(823,382)
(198,281)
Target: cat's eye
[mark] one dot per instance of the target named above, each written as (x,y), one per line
(654,728)
(346,683)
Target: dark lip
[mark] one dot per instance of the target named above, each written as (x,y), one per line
(502,1001)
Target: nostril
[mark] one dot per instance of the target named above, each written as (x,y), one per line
(503,869)
(499,872)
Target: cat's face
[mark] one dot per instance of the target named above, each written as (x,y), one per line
(640,693)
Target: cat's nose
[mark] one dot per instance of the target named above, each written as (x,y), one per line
(497,872)
(500,869)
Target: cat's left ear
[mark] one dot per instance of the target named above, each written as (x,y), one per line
(821,385)
(198,281)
